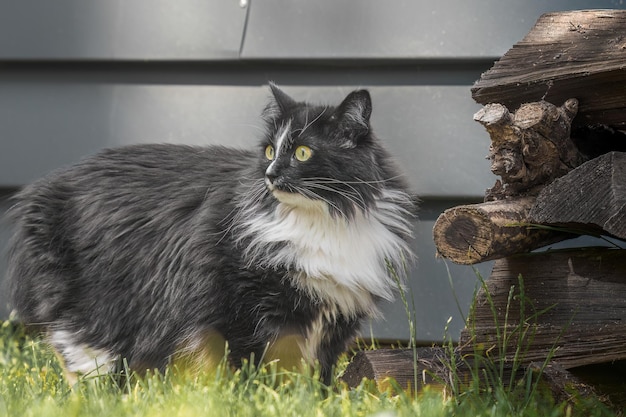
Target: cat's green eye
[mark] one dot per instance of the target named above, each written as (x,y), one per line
(303,153)
(269,152)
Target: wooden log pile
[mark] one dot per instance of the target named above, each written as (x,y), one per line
(566,54)
(553,102)
(574,307)
(554,108)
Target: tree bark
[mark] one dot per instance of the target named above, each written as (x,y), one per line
(530,147)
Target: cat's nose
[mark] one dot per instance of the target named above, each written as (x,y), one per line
(271,177)
(271,173)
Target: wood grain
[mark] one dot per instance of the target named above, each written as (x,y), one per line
(566,54)
(593,197)
(476,233)
(399,365)
(581,295)
(529,148)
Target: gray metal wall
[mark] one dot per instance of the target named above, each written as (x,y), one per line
(77,76)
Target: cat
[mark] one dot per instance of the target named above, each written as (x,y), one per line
(151,252)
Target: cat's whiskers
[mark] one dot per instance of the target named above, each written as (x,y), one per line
(314,196)
(356,200)
(353,196)
(358,194)
(370,183)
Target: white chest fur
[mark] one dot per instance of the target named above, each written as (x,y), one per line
(334,259)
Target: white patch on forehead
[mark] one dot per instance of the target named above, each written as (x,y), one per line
(281,135)
(279,140)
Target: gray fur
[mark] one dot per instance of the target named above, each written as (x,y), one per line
(134,250)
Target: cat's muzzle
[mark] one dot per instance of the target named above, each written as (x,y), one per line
(269,182)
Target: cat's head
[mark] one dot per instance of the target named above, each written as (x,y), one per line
(324,155)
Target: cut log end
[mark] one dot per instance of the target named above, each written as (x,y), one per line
(476,233)
(463,234)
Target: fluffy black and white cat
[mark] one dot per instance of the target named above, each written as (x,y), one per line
(146,252)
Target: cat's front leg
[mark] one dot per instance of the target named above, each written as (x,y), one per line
(337,334)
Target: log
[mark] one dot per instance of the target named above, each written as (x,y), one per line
(563,385)
(573,305)
(529,148)
(476,233)
(566,54)
(591,197)
(382,365)
(395,369)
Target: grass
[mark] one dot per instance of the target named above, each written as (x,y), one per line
(31,384)
(495,370)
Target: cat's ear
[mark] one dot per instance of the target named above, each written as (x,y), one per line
(281,100)
(353,115)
